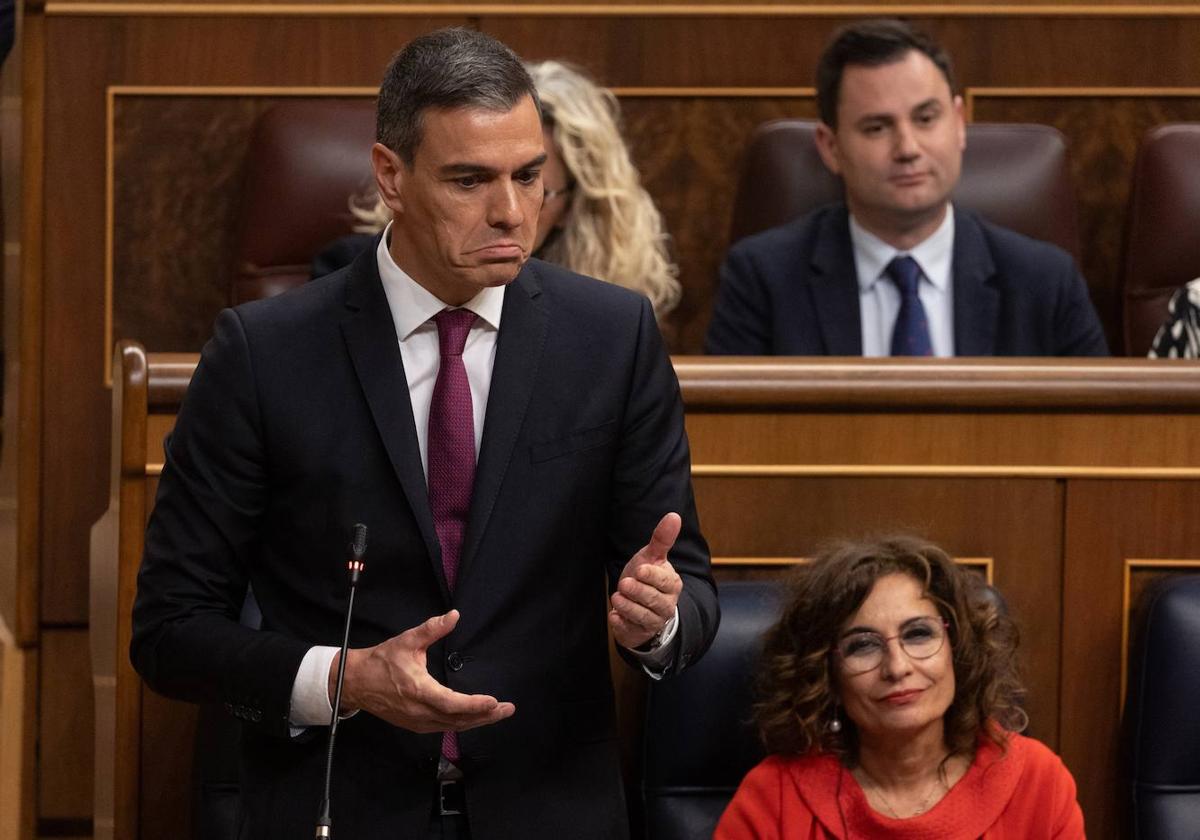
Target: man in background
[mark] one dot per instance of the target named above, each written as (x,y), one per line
(896,269)
(511,433)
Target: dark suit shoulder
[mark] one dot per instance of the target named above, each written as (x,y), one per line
(1045,307)
(767,303)
(1017,254)
(299,335)
(582,300)
(785,243)
(297,308)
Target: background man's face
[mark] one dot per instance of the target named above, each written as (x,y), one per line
(467,209)
(898,144)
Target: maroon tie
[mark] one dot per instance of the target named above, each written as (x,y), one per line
(451,453)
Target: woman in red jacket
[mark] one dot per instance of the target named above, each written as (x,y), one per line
(889,706)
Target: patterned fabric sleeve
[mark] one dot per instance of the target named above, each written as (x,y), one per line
(1179,337)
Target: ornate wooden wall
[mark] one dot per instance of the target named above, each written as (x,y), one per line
(137,115)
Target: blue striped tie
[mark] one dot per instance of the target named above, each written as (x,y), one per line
(910,337)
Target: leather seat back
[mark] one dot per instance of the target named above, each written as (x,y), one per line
(1015,175)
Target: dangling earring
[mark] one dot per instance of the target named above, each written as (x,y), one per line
(835,723)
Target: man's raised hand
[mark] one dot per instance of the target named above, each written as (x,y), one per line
(392,682)
(648,588)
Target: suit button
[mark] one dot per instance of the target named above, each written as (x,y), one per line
(454,661)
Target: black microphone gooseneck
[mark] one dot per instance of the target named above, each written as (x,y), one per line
(358,548)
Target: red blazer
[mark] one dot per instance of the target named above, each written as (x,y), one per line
(1023,794)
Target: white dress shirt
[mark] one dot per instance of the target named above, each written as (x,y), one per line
(412,307)
(879,299)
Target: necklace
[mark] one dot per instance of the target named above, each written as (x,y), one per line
(923,806)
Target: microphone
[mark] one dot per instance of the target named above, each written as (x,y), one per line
(358,549)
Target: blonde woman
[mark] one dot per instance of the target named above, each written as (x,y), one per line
(596,218)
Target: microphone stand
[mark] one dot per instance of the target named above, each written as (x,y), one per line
(358,548)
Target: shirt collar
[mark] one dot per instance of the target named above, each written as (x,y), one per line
(412,304)
(872,254)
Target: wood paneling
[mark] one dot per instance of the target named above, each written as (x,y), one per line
(30,355)
(1107,524)
(1057,545)
(599,8)
(967,517)
(18,730)
(178,168)
(168,742)
(931,441)
(65,750)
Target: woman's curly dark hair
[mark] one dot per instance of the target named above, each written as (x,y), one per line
(795,684)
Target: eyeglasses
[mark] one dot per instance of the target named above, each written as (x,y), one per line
(863,651)
(549,193)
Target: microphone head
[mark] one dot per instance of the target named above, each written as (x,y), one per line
(358,547)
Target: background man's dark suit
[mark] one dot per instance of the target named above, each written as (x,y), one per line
(793,291)
(297,425)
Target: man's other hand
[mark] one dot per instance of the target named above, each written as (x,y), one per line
(392,682)
(648,588)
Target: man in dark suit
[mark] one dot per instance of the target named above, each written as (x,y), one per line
(897,270)
(511,433)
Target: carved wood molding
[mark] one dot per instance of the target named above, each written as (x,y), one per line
(81,8)
(1086,385)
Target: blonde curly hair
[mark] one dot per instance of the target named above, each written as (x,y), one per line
(611,230)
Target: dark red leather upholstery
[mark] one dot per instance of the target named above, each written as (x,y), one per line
(1162,241)
(1013,174)
(306,159)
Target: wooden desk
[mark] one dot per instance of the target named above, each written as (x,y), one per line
(1071,485)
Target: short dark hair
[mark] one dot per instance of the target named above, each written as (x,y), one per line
(449,68)
(871,43)
(796,684)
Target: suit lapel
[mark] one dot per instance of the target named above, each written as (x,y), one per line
(523,327)
(976,300)
(834,286)
(374,350)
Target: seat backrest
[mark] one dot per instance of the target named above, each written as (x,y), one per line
(307,158)
(699,740)
(1161,721)
(1014,175)
(1162,246)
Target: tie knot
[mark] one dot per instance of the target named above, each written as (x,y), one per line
(453,326)
(906,274)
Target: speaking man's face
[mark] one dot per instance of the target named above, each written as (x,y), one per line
(466,211)
(898,146)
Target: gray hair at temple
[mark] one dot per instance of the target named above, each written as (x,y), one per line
(449,68)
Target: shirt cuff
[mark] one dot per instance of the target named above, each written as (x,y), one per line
(310,692)
(661,655)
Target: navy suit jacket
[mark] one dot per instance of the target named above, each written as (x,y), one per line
(793,291)
(296,425)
